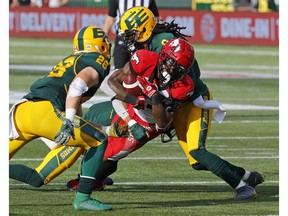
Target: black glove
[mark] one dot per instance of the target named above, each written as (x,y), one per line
(170,104)
(66,130)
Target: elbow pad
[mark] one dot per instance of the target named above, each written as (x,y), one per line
(77,87)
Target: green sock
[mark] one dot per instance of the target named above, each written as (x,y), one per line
(218,166)
(91,165)
(25,174)
(85,185)
(81,197)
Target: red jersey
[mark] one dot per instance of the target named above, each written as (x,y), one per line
(144,64)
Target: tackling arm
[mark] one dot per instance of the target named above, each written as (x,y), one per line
(162,117)
(211,104)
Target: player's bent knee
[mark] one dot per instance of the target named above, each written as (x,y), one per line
(35,179)
(197,154)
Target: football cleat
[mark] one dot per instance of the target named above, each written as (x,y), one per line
(245,193)
(72,185)
(254,179)
(108,181)
(90,205)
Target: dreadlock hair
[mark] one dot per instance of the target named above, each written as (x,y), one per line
(171,27)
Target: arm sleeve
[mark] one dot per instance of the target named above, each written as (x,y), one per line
(153,7)
(120,109)
(208,104)
(113,6)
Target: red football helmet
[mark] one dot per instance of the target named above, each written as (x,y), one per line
(175,59)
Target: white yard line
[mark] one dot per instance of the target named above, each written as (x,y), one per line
(166,158)
(15,96)
(154,183)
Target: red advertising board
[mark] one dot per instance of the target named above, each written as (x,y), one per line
(235,28)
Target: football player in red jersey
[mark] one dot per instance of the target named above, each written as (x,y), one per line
(118,148)
(193,127)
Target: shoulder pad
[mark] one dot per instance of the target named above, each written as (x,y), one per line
(143,62)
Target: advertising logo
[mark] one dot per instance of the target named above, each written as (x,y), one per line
(208,27)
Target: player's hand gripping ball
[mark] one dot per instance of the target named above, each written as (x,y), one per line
(131,85)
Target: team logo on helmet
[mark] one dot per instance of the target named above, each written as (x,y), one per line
(176,45)
(136,19)
(92,39)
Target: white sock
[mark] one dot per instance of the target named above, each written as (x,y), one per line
(241,184)
(246,175)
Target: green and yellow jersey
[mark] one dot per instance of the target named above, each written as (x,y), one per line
(54,86)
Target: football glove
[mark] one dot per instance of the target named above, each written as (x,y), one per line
(66,130)
(140,104)
(140,133)
(148,88)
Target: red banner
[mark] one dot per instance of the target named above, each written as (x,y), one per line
(234,28)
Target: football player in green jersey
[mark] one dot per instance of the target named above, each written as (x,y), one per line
(139,30)
(52,109)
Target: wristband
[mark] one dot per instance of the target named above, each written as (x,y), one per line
(131,123)
(131,99)
(157,99)
(70,114)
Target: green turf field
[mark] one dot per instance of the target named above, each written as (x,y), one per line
(157,180)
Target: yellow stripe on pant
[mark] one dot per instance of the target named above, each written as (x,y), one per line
(57,161)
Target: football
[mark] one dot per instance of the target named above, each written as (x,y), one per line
(131,85)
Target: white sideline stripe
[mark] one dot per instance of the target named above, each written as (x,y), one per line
(250,121)
(162,158)
(15,96)
(158,139)
(199,49)
(237,75)
(204,73)
(153,183)
(241,138)
(257,67)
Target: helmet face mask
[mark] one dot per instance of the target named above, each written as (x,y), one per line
(136,26)
(92,39)
(170,71)
(175,59)
(129,39)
